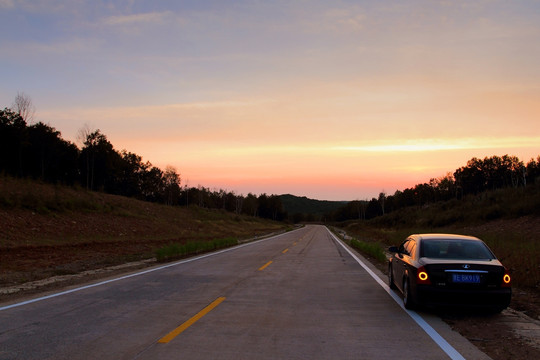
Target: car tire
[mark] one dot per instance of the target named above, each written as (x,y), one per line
(391,278)
(497,309)
(407,299)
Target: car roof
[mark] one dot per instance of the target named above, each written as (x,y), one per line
(443,237)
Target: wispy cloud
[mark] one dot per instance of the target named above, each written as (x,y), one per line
(428,145)
(335,20)
(28,51)
(7,4)
(143,18)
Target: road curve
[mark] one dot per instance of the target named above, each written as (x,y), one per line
(300,295)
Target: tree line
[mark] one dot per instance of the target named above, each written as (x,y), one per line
(479,175)
(38,151)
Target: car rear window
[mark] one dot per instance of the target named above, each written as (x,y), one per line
(455,249)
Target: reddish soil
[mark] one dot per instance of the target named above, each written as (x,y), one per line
(36,246)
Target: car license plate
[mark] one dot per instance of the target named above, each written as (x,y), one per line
(466,278)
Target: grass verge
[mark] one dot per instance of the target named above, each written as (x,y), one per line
(177,251)
(373,249)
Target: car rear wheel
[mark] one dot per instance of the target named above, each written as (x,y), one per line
(391,278)
(407,299)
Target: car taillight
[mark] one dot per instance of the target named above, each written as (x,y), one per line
(422,276)
(507,279)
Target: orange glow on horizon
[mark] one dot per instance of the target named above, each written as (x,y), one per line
(324,171)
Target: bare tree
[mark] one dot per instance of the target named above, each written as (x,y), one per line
(82,137)
(171,180)
(83,133)
(382,198)
(186,189)
(24,107)
(239,203)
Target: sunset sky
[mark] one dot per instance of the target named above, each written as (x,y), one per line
(333,100)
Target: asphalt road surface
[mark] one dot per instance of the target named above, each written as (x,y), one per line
(299,295)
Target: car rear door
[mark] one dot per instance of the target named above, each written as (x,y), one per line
(400,264)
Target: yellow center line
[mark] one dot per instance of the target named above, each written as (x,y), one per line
(184,326)
(265,266)
(284,251)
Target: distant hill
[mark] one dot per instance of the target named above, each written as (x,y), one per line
(302,205)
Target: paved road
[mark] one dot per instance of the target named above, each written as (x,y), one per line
(300,295)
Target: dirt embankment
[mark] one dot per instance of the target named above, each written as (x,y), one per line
(36,246)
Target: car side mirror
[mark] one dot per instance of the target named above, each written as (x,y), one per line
(393,249)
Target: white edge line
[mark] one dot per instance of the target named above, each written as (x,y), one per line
(439,340)
(138,273)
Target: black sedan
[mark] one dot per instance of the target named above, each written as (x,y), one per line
(448,270)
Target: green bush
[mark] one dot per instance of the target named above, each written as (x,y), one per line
(373,249)
(177,251)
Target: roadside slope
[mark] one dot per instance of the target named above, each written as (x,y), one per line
(48,230)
